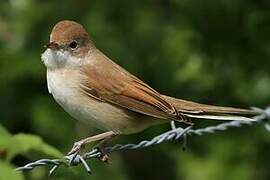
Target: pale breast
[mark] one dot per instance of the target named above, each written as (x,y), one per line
(64,86)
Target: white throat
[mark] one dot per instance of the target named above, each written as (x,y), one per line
(54,59)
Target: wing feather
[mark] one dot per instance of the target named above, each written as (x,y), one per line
(115,85)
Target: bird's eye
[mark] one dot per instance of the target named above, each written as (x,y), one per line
(73,45)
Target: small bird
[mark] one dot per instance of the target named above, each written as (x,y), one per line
(94,89)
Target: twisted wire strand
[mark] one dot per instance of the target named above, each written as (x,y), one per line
(174,134)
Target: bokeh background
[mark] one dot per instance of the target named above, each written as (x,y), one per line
(215,52)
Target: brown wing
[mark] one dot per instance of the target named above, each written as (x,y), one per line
(111,83)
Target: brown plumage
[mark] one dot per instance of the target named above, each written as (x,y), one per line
(64,31)
(119,87)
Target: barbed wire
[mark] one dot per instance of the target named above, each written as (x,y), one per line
(176,133)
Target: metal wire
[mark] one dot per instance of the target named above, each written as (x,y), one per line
(174,134)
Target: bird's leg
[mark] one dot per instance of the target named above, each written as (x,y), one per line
(81,144)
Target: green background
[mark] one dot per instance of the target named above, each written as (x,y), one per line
(215,52)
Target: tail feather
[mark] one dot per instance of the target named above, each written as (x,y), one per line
(220,117)
(203,111)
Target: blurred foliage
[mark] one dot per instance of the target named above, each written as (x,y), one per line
(12,145)
(215,52)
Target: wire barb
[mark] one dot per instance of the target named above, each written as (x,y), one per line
(175,134)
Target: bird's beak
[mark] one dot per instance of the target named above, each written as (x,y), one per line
(52,45)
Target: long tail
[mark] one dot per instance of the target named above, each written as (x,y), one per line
(203,111)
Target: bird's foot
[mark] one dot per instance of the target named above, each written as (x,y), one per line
(77,147)
(104,157)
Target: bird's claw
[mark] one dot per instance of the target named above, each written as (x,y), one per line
(103,155)
(77,147)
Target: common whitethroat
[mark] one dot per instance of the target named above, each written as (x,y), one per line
(94,89)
